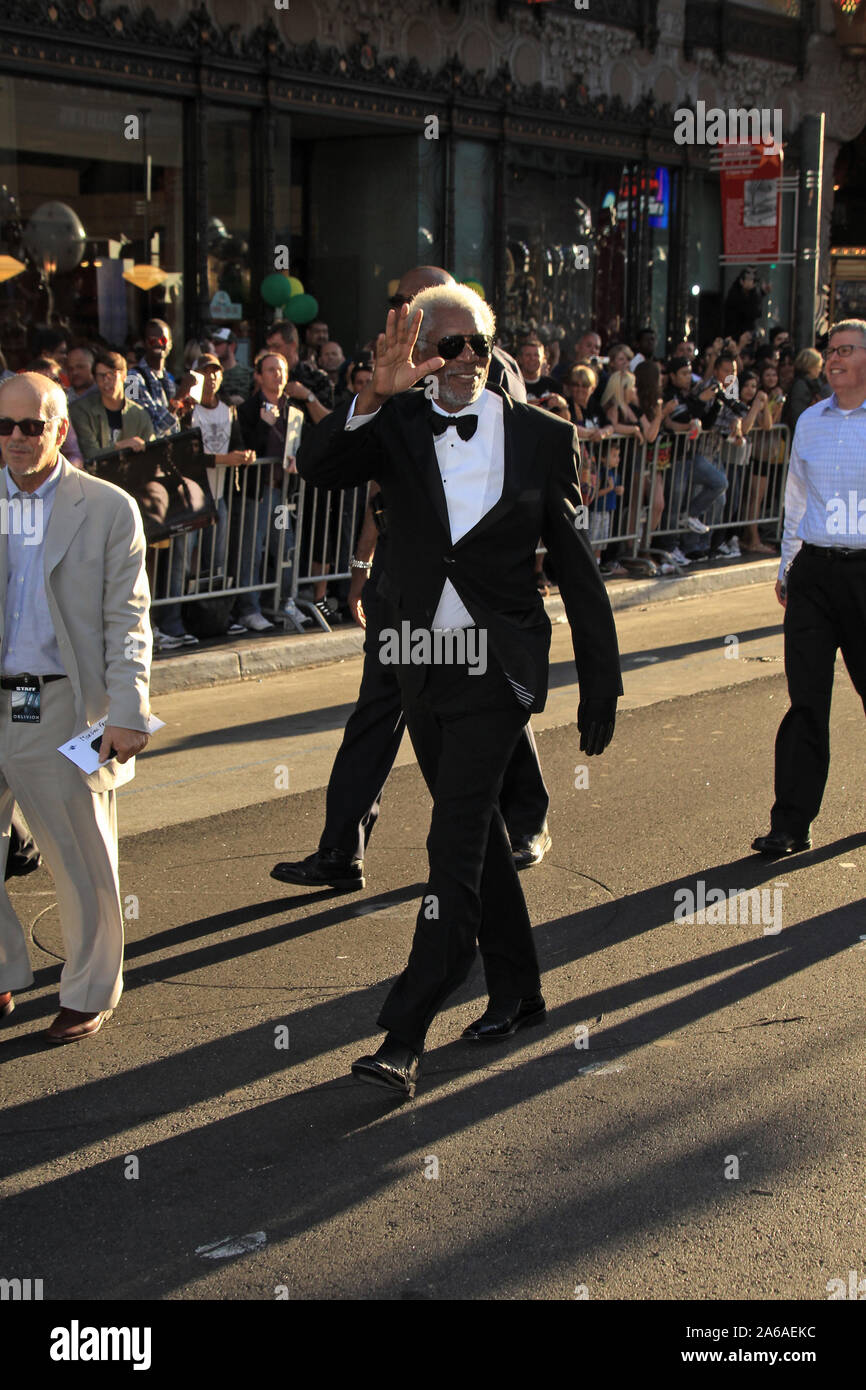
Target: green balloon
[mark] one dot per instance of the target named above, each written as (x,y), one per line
(302,308)
(276,290)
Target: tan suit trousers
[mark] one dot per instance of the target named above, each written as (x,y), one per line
(76,830)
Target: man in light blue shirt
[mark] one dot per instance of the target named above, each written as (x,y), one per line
(30,643)
(821,584)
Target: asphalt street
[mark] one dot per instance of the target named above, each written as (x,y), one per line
(688,1125)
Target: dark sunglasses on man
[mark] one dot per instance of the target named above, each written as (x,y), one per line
(158,342)
(452,345)
(31,429)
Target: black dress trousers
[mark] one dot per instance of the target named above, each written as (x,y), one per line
(370,745)
(825,612)
(464,729)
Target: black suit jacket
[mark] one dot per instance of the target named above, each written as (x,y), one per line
(505,372)
(492,566)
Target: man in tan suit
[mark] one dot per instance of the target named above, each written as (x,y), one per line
(76,646)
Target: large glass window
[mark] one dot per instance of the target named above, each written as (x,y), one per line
(556,223)
(229,138)
(90,205)
(373,213)
(474,183)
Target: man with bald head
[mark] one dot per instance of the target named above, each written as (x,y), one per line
(75,647)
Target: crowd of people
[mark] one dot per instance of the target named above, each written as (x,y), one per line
(655,504)
(706,496)
(130,397)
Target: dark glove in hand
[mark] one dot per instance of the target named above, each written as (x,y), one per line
(595,720)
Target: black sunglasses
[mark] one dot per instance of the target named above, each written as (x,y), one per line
(452,346)
(31,429)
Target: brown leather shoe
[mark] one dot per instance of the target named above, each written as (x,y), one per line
(7,1004)
(70,1025)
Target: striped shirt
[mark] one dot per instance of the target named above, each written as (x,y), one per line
(825,497)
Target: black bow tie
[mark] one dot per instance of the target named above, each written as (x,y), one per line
(466,425)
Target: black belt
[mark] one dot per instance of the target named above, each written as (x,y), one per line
(835,552)
(13,682)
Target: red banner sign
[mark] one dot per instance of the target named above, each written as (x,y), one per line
(751,201)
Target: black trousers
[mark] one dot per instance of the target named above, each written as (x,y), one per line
(826,612)
(464,730)
(370,745)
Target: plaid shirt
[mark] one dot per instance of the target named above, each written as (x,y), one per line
(826,485)
(146,389)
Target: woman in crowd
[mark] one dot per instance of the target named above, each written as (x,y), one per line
(618,357)
(618,403)
(762,449)
(648,389)
(580,386)
(768,382)
(807,388)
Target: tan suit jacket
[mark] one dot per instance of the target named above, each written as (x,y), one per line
(98,597)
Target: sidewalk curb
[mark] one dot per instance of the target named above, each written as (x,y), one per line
(271,656)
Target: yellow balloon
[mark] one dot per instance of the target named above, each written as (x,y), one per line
(297,287)
(476,286)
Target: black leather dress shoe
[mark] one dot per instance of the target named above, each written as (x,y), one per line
(531,849)
(394,1066)
(500,1022)
(327,868)
(779,843)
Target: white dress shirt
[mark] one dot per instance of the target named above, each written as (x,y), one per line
(30,643)
(473,474)
(826,480)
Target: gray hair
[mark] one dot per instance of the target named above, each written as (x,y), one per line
(849,326)
(439,297)
(53,396)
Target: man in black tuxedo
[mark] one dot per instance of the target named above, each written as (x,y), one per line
(374,730)
(470,480)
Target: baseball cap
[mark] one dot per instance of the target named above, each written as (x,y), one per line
(207,357)
(222,334)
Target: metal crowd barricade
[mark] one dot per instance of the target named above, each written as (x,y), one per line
(681,470)
(615,519)
(326,528)
(279,538)
(248,550)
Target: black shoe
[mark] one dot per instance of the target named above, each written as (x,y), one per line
(326,868)
(394,1066)
(498,1022)
(779,843)
(531,849)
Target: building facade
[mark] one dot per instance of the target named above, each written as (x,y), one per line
(162,159)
